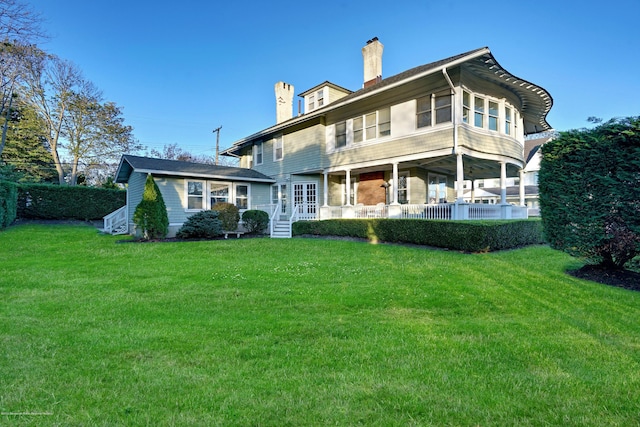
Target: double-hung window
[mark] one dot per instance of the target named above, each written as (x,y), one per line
(466,106)
(443,108)
(242,196)
(257,153)
(403,188)
(320,98)
(370,125)
(493,115)
(358,129)
(507,120)
(384,122)
(423,112)
(277,148)
(478,117)
(312,102)
(341,134)
(195,195)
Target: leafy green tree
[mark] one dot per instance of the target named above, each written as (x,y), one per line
(26,153)
(590,192)
(150,215)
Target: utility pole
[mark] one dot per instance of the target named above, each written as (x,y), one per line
(217,131)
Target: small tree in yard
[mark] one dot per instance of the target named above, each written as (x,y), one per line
(150,215)
(229,215)
(590,192)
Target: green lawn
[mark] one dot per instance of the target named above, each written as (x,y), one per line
(300,332)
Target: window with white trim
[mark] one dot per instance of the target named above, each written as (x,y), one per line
(384,122)
(312,103)
(443,107)
(403,188)
(423,111)
(466,106)
(478,108)
(370,125)
(257,153)
(242,196)
(437,189)
(277,148)
(195,195)
(320,97)
(507,120)
(218,193)
(358,129)
(341,134)
(493,115)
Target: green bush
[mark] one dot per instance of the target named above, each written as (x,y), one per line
(229,215)
(469,236)
(8,203)
(48,201)
(590,192)
(201,225)
(255,221)
(150,215)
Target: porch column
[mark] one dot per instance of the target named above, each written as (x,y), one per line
(325,191)
(503,183)
(473,191)
(394,197)
(522,191)
(348,184)
(459,178)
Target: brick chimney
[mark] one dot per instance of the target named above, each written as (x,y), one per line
(372,55)
(284,102)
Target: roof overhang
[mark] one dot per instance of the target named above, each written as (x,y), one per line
(535,101)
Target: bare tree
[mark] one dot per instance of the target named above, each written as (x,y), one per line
(50,84)
(20,23)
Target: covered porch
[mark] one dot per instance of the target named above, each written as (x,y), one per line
(420,188)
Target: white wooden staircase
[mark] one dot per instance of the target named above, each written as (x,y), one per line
(281,229)
(116,222)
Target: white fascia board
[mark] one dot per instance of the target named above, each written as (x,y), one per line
(204,175)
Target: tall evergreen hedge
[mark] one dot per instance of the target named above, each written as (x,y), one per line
(8,203)
(46,201)
(590,192)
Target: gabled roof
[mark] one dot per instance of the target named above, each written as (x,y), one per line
(536,101)
(325,83)
(129,164)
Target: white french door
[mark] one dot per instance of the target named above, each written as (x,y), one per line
(305,197)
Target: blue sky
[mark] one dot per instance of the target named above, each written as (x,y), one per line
(181,69)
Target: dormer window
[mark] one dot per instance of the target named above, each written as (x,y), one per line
(312,102)
(320,98)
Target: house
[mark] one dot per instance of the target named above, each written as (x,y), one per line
(488,190)
(401,146)
(398,147)
(186,188)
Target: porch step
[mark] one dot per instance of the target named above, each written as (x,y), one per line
(281,230)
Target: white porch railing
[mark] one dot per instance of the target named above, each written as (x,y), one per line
(117,222)
(441,211)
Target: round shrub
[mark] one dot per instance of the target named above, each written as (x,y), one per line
(229,215)
(255,221)
(202,225)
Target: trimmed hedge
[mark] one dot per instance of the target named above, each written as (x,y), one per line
(255,221)
(469,236)
(8,203)
(43,201)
